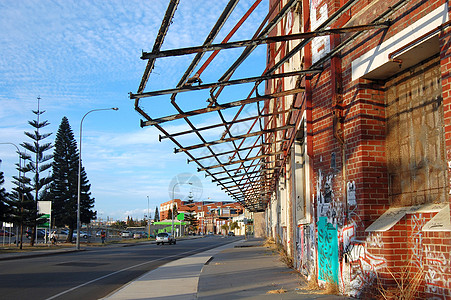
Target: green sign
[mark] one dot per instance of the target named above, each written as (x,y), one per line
(44,221)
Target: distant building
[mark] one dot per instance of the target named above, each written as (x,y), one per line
(211,215)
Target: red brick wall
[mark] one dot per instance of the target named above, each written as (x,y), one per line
(364,133)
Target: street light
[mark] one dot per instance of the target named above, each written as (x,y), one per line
(172,208)
(148,219)
(79,174)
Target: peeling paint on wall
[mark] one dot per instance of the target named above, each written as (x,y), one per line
(306,249)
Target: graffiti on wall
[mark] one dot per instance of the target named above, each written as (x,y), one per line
(327,251)
(328,205)
(436,267)
(417,239)
(359,265)
(360,268)
(319,14)
(350,192)
(306,249)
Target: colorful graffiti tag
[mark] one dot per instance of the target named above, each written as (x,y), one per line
(327,251)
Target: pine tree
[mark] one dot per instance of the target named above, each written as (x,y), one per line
(4,209)
(64,188)
(22,208)
(36,163)
(156,217)
(190,217)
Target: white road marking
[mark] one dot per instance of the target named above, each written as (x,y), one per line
(116,272)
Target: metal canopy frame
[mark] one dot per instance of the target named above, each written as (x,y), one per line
(247,164)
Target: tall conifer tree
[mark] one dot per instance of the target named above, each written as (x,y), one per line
(190,216)
(156,217)
(36,163)
(21,205)
(4,209)
(64,188)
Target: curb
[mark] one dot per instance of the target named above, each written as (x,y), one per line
(50,252)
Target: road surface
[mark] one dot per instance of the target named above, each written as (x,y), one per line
(94,273)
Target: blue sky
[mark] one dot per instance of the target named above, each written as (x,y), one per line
(83,55)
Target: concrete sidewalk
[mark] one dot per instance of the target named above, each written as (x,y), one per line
(240,270)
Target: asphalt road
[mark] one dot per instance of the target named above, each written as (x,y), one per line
(94,273)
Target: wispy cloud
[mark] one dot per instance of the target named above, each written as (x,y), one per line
(80,55)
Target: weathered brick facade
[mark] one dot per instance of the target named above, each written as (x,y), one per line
(376,172)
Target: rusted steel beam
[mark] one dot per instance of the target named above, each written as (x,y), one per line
(222,19)
(225,14)
(239,180)
(237,175)
(229,35)
(302,44)
(161,137)
(220,107)
(230,152)
(248,50)
(244,174)
(236,171)
(254,184)
(234,138)
(189,88)
(210,38)
(384,16)
(178,144)
(227,75)
(265,40)
(172,7)
(235,162)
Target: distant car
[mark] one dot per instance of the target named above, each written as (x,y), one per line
(139,235)
(83,234)
(126,234)
(62,234)
(40,233)
(6,233)
(164,237)
(231,233)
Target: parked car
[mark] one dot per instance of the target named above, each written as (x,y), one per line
(40,233)
(231,233)
(164,237)
(83,234)
(140,235)
(126,234)
(62,234)
(6,233)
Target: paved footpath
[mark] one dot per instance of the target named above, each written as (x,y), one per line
(240,270)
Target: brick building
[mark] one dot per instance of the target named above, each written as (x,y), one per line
(210,214)
(347,155)
(364,195)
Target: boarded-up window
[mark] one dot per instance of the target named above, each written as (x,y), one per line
(415,136)
(300,172)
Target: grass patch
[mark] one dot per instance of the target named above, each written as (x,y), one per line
(279,291)
(331,288)
(276,247)
(312,284)
(407,282)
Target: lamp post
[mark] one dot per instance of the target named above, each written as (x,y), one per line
(79,174)
(148,219)
(19,191)
(172,208)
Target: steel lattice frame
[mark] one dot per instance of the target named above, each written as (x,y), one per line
(250,169)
